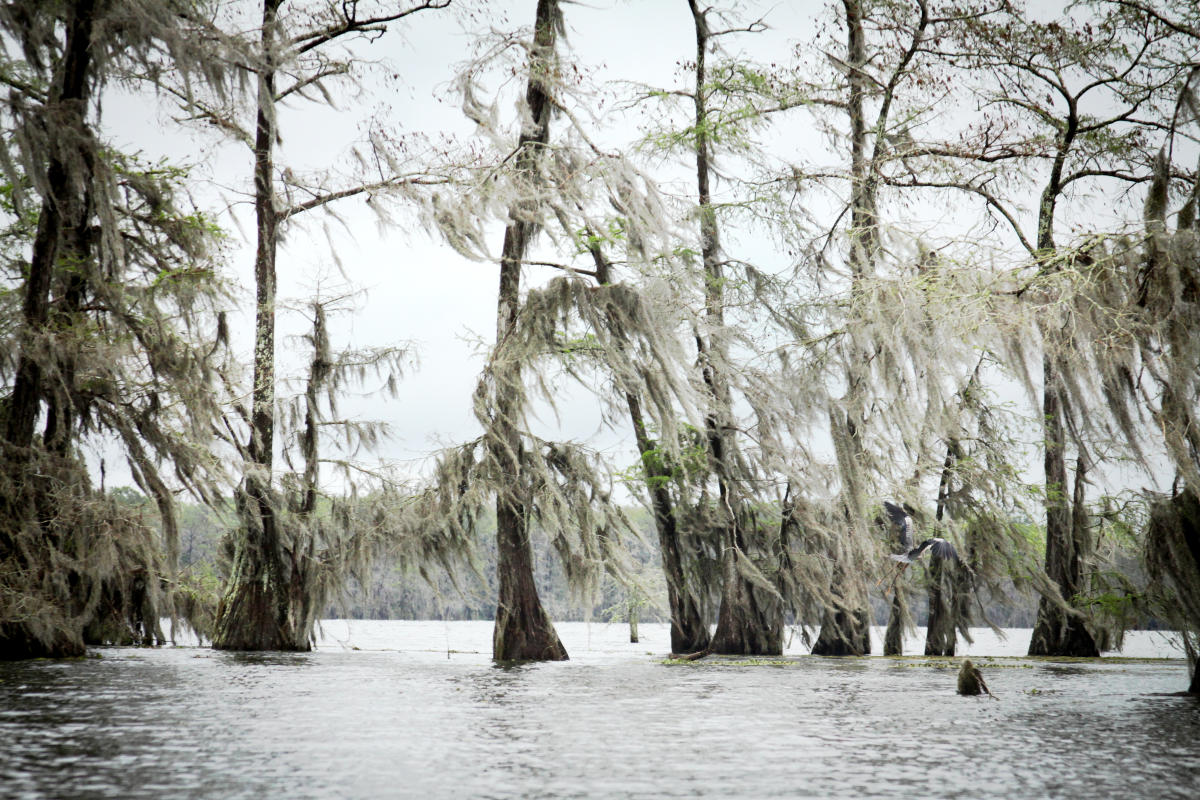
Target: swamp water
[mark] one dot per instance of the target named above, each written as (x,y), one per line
(418,710)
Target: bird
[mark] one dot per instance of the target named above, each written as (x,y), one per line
(970,680)
(935,544)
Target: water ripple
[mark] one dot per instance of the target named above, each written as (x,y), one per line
(407,717)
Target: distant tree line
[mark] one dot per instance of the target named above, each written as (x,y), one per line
(390,589)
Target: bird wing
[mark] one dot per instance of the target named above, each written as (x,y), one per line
(941,548)
(902,521)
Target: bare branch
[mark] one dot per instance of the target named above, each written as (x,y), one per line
(563,267)
(320,75)
(991,200)
(1148,9)
(210,115)
(391,183)
(1104,173)
(889,91)
(349,24)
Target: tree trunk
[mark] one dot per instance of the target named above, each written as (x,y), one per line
(750,621)
(523,629)
(62,209)
(67,182)
(893,638)
(846,628)
(847,631)
(256,612)
(945,578)
(864,233)
(844,632)
(940,629)
(1058,631)
(1172,553)
(689,634)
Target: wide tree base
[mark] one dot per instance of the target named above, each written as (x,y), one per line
(76,566)
(941,635)
(248,620)
(1172,551)
(689,633)
(528,636)
(893,638)
(748,624)
(523,630)
(18,643)
(1058,634)
(844,633)
(692,638)
(934,649)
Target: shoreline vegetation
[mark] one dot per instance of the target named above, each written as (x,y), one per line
(388,591)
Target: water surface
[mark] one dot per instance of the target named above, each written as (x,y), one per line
(419,710)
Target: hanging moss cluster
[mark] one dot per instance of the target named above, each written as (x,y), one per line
(1173,556)
(76,567)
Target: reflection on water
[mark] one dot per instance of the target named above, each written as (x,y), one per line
(420,711)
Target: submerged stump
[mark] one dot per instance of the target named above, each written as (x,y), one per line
(970,680)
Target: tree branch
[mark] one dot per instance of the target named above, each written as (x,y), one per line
(889,90)
(23,87)
(1178,27)
(980,156)
(313,39)
(563,267)
(319,75)
(213,117)
(324,199)
(991,200)
(1103,173)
